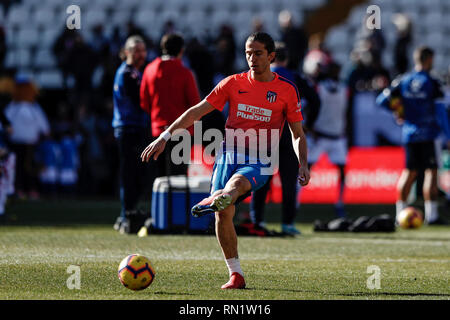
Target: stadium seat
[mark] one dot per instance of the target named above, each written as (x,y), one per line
(48,37)
(43,17)
(433,21)
(50,79)
(120,17)
(337,38)
(355,18)
(19,58)
(435,40)
(91,18)
(44,59)
(126,5)
(144,17)
(218,18)
(107,3)
(17,16)
(27,37)
(151,5)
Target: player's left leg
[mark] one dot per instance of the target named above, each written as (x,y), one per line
(237,186)
(430,195)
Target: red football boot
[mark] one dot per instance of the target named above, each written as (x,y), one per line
(236,282)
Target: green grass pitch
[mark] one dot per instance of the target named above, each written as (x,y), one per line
(44,238)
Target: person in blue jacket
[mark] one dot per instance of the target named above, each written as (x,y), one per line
(131,125)
(414,97)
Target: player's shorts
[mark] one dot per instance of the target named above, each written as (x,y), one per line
(421,155)
(336,149)
(227,165)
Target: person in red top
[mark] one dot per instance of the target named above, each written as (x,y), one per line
(167,90)
(258,99)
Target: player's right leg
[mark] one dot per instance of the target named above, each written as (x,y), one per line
(227,238)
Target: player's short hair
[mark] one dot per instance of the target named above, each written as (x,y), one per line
(172,44)
(422,54)
(132,41)
(265,39)
(281,52)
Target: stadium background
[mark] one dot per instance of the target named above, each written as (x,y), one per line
(77,92)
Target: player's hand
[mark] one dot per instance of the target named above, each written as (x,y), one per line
(303,176)
(153,149)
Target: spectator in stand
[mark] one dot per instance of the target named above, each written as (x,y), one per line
(368,125)
(131,126)
(225,52)
(29,123)
(404,38)
(99,42)
(3,47)
(61,49)
(201,60)
(294,38)
(82,61)
(69,163)
(168,89)
(7,85)
(374,37)
(47,158)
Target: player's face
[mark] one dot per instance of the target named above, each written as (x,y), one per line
(258,58)
(138,54)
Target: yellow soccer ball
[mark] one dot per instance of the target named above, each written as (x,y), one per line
(410,218)
(135,272)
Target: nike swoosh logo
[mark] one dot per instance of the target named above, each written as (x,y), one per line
(242,91)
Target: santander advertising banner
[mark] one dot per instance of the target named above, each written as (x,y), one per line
(371,178)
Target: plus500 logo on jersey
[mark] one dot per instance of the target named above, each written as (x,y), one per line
(248,112)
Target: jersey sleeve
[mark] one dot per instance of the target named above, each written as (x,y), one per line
(294,107)
(220,94)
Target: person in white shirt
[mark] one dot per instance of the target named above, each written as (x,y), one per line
(328,134)
(29,123)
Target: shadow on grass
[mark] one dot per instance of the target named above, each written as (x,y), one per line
(406,294)
(173,293)
(358,294)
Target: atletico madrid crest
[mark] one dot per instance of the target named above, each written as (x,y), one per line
(271,96)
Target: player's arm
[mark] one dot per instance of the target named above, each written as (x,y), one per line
(300,148)
(186,120)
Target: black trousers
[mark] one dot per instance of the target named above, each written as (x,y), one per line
(288,169)
(134,174)
(26,169)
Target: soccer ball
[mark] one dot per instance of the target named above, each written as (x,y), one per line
(410,218)
(136,272)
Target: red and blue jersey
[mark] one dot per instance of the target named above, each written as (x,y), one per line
(257,105)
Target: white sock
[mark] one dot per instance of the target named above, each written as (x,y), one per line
(399,206)
(431,210)
(234,265)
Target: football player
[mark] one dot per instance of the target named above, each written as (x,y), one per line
(259,101)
